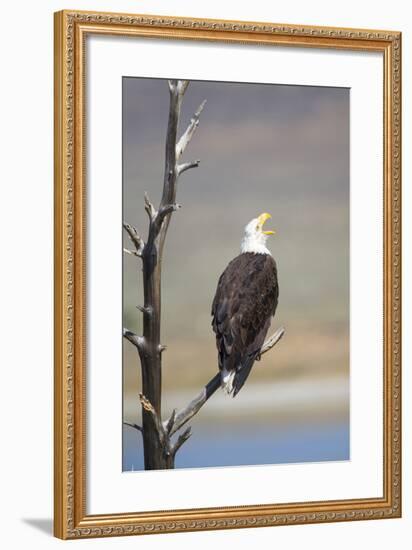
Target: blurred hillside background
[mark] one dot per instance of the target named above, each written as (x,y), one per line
(280,149)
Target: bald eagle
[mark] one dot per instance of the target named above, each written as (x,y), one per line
(245,301)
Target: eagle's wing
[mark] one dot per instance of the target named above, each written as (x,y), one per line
(246,299)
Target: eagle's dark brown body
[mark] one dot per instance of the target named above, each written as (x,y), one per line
(245,301)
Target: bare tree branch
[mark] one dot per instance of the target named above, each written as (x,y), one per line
(188,412)
(135,426)
(165,211)
(182,86)
(133,338)
(147,406)
(183,437)
(146,310)
(187,166)
(135,238)
(190,130)
(178,86)
(272,341)
(170,422)
(132,252)
(173,86)
(150,209)
(196,404)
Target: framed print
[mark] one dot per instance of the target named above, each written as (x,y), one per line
(227,274)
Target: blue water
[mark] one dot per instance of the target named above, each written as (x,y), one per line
(225,446)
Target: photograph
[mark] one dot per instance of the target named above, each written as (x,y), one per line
(235,274)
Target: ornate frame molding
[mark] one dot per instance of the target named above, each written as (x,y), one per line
(71,520)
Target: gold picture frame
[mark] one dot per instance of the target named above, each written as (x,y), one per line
(71,520)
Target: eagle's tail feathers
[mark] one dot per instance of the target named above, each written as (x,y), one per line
(227,377)
(241,375)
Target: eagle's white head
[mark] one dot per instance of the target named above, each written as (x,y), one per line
(254,239)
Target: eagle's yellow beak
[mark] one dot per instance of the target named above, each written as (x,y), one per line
(261,220)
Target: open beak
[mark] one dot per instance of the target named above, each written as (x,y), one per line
(261,220)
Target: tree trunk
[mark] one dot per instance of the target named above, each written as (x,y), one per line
(151,360)
(157,453)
